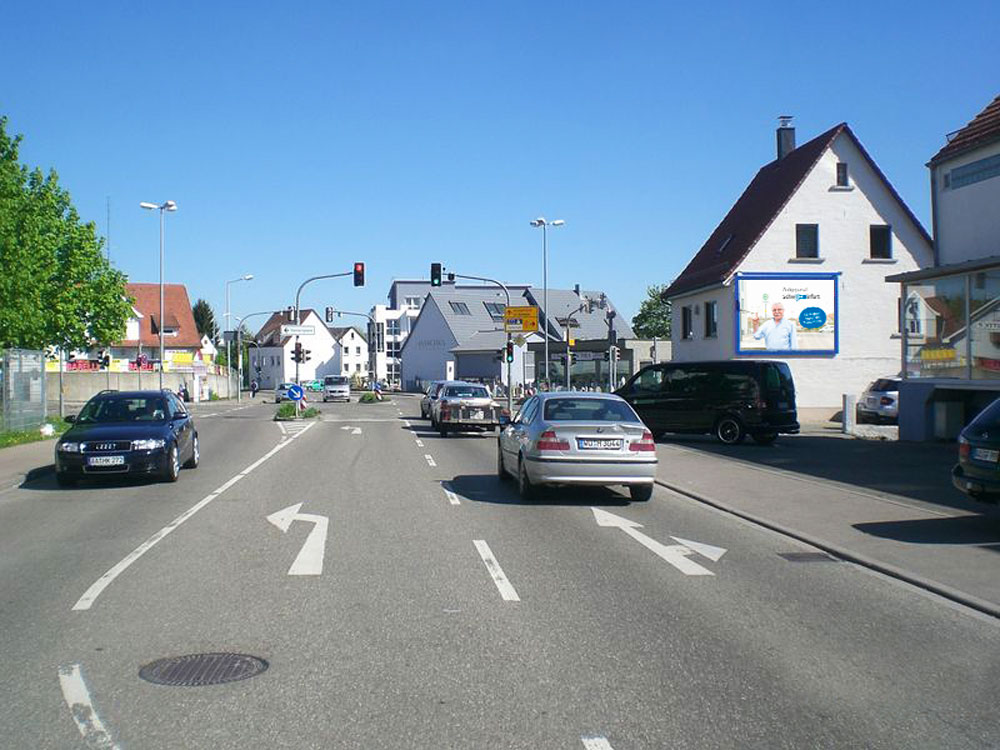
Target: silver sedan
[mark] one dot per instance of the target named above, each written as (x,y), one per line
(577,438)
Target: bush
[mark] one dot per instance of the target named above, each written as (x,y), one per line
(368,398)
(213,396)
(285,411)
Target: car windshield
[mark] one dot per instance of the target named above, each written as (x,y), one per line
(466,391)
(588,410)
(336,381)
(124,409)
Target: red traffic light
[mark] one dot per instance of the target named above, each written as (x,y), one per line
(359,274)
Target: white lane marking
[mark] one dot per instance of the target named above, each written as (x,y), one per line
(309,561)
(77,697)
(430,459)
(205,416)
(420,443)
(596,743)
(281,427)
(452,497)
(507,592)
(353,430)
(675,554)
(91,594)
(406,423)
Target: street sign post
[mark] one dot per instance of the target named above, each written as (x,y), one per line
(296,330)
(520,319)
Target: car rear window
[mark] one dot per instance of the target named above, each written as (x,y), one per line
(990,416)
(588,410)
(884,384)
(466,391)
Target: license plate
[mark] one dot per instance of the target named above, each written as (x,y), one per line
(590,444)
(985,454)
(105,460)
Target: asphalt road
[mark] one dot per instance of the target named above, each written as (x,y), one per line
(448,614)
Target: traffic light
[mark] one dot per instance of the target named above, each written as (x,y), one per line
(305,355)
(359,274)
(509,352)
(329,314)
(435,274)
(618,353)
(297,352)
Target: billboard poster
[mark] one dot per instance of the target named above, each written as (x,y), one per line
(787,314)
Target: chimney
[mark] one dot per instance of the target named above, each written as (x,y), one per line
(576,288)
(786,136)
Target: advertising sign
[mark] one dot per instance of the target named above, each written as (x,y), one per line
(787,314)
(520,319)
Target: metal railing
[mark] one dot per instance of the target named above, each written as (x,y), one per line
(22,389)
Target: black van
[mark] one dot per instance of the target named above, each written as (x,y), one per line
(730,399)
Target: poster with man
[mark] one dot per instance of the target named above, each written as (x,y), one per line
(794,314)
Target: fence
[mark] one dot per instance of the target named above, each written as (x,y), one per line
(22,389)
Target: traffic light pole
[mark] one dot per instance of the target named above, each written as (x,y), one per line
(298,296)
(510,384)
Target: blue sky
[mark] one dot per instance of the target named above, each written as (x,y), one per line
(297,140)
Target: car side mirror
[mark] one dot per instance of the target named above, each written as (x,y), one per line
(71,418)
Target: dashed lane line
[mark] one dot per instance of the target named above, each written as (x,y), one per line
(452,497)
(430,459)
(596,743)
(507,592)
(77,697)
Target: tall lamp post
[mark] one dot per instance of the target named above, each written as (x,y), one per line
(545,224)
(165,206)
(229,361)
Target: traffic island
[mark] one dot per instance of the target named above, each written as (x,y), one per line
(287,412)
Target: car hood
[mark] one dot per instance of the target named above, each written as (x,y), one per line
(115,431)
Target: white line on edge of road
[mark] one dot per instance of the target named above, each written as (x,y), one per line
(452,497)
(430,459)
(507,592)
(406,423)
(91,594)
(596,743)
(74,690)
(420,443)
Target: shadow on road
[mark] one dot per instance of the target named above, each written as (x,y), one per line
(966,530)
(487,488)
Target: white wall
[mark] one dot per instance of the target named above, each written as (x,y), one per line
(868,328)
(967,219)
(428,348)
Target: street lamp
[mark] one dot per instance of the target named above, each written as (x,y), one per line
(229,361)
(544,224)
(165,206)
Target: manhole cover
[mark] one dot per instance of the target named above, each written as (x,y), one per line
(195,670)
(807,557)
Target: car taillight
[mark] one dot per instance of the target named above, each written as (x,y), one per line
(548,441)
(885,401)
(963,447)
(645,443)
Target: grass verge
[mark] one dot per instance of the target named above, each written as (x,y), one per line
(20,437)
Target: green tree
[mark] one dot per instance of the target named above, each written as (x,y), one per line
(56,286)
(204,319)
(653,318)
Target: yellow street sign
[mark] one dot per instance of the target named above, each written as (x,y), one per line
(520,319)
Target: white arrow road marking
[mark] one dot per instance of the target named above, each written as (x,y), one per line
(452,497)
(309,561)
(91,594)
(507,592)
(354,430)
(596,743)
(705,550)
(675,554)
(77,697)
(430,459)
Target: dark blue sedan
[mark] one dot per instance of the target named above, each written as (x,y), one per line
(128,433)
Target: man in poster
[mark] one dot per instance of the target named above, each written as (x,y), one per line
(779,332)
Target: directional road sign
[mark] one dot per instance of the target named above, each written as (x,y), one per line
(520,319)
(295,393)
(292,330)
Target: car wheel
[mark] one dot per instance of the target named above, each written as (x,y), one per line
(192,463)
(65,481)
(501,471)
(173,469)
(443,430)
(764,438)
(524,485)
(640,493)
(729,430)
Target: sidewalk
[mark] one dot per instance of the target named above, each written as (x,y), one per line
(24,462)
(886,505)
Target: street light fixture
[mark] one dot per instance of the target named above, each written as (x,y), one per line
(165,206)
(229,360)
(544,224)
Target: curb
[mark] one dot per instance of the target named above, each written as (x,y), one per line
(952,594)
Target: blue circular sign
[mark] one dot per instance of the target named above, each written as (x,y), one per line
(812,317)
(295,393)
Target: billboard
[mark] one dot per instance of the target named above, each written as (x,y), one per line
(787,314)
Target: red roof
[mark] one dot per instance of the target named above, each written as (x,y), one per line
(176,311)
(761,203)
(984,128)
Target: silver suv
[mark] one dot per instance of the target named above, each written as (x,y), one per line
(336,388)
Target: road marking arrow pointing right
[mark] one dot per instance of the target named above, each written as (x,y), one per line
(675,554)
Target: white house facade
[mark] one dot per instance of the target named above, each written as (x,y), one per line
(273,356)
(817,230)
(350,356)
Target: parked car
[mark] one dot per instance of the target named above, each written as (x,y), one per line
(730,399)
(977,472)
(281,392)
(564,437)
(880,402)
(314,385)
(128,432)
(336,388)
(430,396)
(464,406)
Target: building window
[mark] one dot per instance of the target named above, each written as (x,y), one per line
(460,308)
(880,236)
(392,327)
(357,350)
(687,332)
(711,320)
(347,368)
(977,171)
(842,174)
(357,367)
(414,302)
(807,240)
(495,309)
